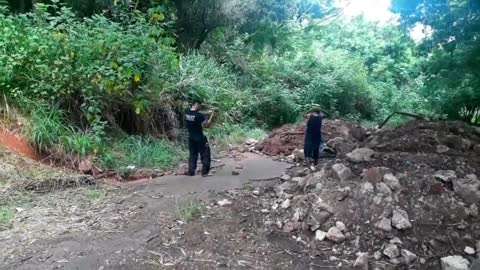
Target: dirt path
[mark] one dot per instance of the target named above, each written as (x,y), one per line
(137,226)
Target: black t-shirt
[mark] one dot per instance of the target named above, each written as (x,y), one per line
(193,121)
(314,126)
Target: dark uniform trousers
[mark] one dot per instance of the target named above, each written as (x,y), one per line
(198,146)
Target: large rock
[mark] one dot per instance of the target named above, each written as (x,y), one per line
(392,182)
(408,256)
(335,235)
(375,174)
(317,218)
(341,172)
(385,224)
(288,187)
(316,178)
(454,142)
(468,188)
(400,220)
(360,155)
(340,145)
(445,175)
(454,263)
(361,263)
(391,251)
(367,188)
(383,189)
(320,235)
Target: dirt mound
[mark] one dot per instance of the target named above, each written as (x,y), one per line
(408,200)
(455,138)
(284,140)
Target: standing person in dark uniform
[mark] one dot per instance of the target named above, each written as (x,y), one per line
(313,136)
(197,141)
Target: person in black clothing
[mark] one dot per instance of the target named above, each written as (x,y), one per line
(313,136)
(197,141)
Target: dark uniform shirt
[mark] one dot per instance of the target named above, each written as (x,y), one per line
(314,127)
(193,121)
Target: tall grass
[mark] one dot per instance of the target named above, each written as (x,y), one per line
(225,134)
(47,127)
(143,152)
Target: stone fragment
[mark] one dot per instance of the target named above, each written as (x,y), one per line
(442,149)
(454,142)
(361,263)
(360,155)
(316,219)
(445,175)
(400,219)
(391,251)
(377,255)
(341,172)
(375,174)
(335,235)
(286,187)
(469,250)
(286,204)
(408,256)
(320,235)
(251,141)
(367,188)
(473,210)
(235,172)
(285,177)
(454,263)
(385,224)
(468,188)
(396,240)
(340,225)
(383,189)
(224,202)
(392,182)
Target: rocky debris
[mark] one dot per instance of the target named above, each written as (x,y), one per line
(375,174)
(441,149)
(445,176)
(360,155)
(366,188)
(341,172)
(400,220)
(361,263)
(320,235)
(468,188)
(235,172)
(335,235)
(391,251)
(385,224)
(340,225)
(288,187)
(286,204)
(340,145)
(251,141)
(224,202)
(374,195)
(392,182)
(383,189)
(285,177)
(469,250)
(454,263)
(284,140)
(408,256)
(317,218)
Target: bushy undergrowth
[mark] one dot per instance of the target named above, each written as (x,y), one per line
(85,80)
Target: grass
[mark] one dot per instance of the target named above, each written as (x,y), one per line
(142,152)
(95,194)
(189,211)
(6,217)
(46,127)
(225,134)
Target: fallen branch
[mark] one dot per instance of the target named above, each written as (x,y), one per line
(416,116)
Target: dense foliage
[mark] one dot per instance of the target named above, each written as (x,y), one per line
(85,71)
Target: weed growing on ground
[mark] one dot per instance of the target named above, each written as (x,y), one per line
(189,211)
(6,217)
(95,194)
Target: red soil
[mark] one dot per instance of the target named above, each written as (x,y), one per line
(18,145)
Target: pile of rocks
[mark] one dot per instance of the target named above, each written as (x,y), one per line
(385,208)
